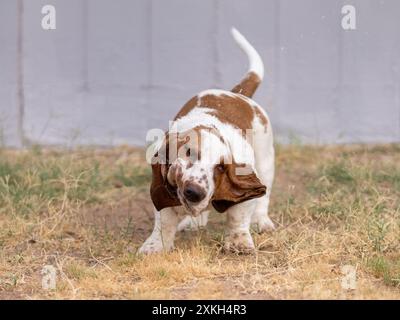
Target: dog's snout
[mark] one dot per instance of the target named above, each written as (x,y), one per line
(194,193)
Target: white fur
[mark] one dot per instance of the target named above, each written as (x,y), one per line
(265,164)
(204,166)
(238,237)
(256,64)
(163,235)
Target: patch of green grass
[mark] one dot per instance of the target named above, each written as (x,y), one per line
(390,176)
(339,173)
(329,208)
(86,184)
(78,271)
(9,280)
(387,269)
(9,171)
(128,259)
(377,230)
(330,178)
(133,177)
(332,189)
(162,273)
(28,185)
(339,187)
(349,213)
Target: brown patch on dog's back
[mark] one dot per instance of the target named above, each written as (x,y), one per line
(231,109)
(189,106)
(248,85)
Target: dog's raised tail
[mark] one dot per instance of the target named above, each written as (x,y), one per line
(254,76)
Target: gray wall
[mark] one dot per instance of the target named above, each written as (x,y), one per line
(115,68)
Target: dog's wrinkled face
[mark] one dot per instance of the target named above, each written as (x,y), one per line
(192,171)
(200,171)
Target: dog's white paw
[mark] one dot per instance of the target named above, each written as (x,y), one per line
(151,246)
(262,223)
(239,242)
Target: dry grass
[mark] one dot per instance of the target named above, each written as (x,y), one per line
(86,212)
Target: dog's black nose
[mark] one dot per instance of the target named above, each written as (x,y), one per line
(194,193)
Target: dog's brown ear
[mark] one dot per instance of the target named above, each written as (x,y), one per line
(162,194)
(232,188)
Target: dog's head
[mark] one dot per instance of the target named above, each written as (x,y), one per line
(200,170)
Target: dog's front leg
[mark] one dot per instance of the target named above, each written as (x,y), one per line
(260,218)
(162,238)
(238,237)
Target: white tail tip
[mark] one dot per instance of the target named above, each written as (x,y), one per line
(255,62)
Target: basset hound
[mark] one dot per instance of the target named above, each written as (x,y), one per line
(218,154)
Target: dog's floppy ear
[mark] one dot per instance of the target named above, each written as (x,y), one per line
(232,188)
(162,193)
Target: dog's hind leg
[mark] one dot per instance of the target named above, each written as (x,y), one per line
(265,165)
(260,220)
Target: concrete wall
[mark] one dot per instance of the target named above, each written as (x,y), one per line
(115,68)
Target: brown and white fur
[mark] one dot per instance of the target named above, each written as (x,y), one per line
(216,166)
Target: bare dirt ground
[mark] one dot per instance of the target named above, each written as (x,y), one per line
(85,212)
